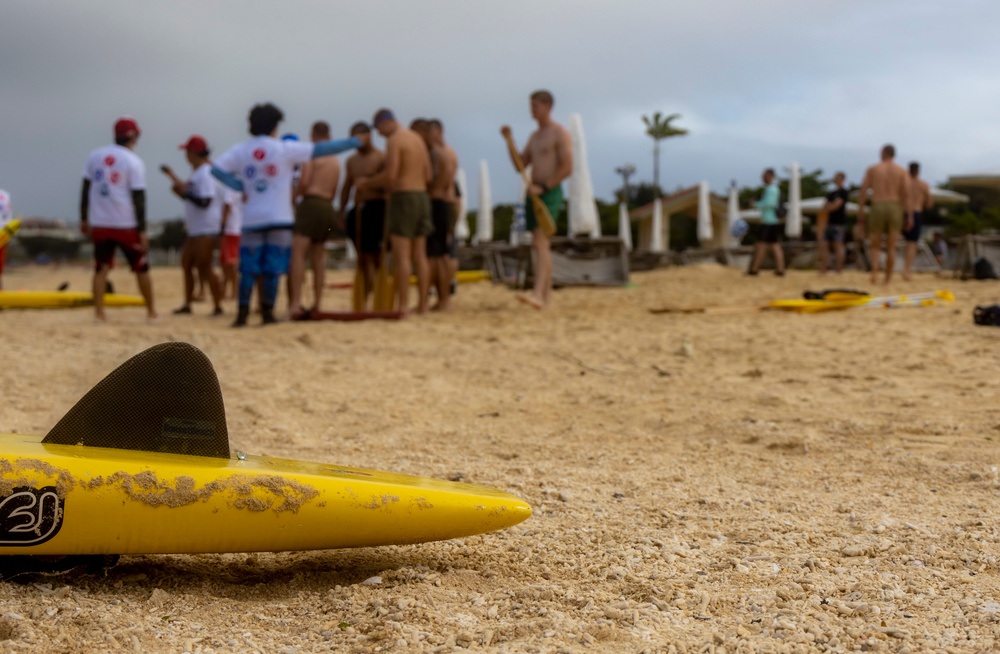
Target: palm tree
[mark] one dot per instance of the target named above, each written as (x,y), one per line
(659,128)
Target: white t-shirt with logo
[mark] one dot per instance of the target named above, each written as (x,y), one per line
(203,221)
(6,211)
(114,172)
(233,200)
(265,165)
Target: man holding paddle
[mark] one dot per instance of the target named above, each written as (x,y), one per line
(549,152)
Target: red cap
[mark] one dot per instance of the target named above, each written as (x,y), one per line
(126,128)
(196,144)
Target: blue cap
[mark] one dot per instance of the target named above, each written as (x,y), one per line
(289,137)
(385,114)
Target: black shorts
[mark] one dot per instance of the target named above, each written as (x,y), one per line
(437,241)
(372,226)
(913,235)
(769,233)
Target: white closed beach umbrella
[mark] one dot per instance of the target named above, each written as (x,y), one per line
(624,226)
(462,226)
(582,207)
(705,231)
(484,216)
(656,245)
(793,219)
(732,214)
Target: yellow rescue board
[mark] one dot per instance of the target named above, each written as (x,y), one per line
(816,306)
(464,276)
(63,300)
(66,499)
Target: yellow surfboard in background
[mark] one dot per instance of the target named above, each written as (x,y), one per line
(63,300)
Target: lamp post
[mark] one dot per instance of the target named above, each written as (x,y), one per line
(625,171)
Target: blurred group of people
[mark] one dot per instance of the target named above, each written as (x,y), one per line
(898,200)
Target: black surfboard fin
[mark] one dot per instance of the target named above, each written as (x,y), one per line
(165,399)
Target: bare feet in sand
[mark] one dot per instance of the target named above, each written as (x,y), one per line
(530,300)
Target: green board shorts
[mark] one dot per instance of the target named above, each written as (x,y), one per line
(410,214)
(314,218)
(886,218)
(553,199)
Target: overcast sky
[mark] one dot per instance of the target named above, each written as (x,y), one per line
(758,84)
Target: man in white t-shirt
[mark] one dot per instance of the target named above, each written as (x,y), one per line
(6,215)
(202,197)
(262,168)
(113,212)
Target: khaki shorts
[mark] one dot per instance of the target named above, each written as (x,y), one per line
(314,218)
(410,214)
(886,218)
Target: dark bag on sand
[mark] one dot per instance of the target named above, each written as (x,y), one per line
(983,269)
(989,316)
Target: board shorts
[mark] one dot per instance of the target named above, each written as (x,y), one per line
(912,235)
(437,242)
(834,233)
(265,251)
(229,249)
(106,239)
(452,222)
(372,226)
(410,214)
(553,200)
(769,233)
(314,218)
(886,218)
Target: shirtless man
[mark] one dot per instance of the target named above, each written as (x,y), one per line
(549,152)
(406,175)
(444,212)
(366,220)
(314,220)
(890,193)
(919,201)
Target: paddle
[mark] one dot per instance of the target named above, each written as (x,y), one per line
(545,222)
(910,299)
(385,284)
(358,295)
(7,231)
(719,308)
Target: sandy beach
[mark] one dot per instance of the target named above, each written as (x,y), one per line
(738,482)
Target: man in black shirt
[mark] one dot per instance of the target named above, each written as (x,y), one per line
(836,225)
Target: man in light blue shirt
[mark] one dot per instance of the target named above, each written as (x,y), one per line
(769,230)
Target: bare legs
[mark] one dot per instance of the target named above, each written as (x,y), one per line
(197,255)
(760,251)
(317,255)
(100,283)
(824,256)
(441,276)
(875,244)
(909,256)
(410,255)
(541,295)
